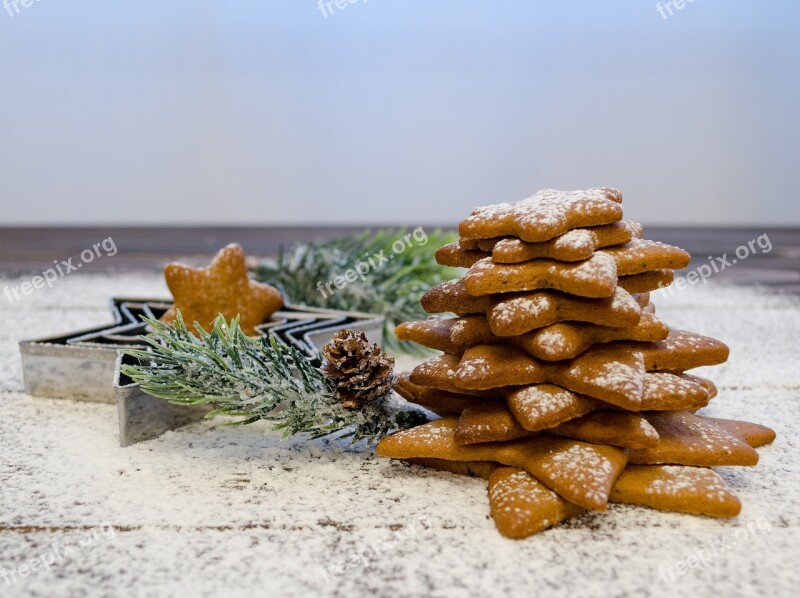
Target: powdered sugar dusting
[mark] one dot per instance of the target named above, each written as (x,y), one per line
(617,376)
(679,480)
(598,269)
(583,470)
(544,215)
(530,306)
(551,341)
(534,404)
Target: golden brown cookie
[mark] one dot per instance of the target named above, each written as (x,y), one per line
(512,315)
(643,255)
(566,340)
(666,391)
(579,472)
(452,296)
(520,509)
(434,333)
(541,406)
(683,489)
(545,215)
(616,368)
(686,439)
(556,342)
(470,330)
(646,282)
(573,246)
(680,351)
(472,469)
(521,506)
(617,428)
(454,255)
(488,421)
(604,372)
(439,373)
(595,277)
(753,434)
(223,287)
(491,421)
(440,402)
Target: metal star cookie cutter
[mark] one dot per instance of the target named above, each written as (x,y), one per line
(85,365)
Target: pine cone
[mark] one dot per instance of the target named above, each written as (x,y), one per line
(359,373)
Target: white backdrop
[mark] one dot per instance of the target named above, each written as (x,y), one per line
(237,112)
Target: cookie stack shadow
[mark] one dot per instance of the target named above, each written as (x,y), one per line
(557,381)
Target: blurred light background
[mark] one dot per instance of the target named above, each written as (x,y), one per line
(389,111)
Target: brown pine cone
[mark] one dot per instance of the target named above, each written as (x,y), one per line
(359,373)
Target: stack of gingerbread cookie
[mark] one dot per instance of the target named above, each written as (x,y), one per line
(557,381)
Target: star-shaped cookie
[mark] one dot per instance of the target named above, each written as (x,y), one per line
(545,215)
(223,287)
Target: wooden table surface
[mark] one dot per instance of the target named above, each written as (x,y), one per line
(32,250)
(214,510)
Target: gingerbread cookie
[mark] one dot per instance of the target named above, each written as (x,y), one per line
(434,333)
(579,472)
(566,340)
(470,330)
(676,488)
(452,296)
(439,373)
(595,277)
(516,314)
(686,439)
(557,342)
(680,351)
(606,372)
(573,246)
(520,509)
(603,367)
(521,506)
(666,391)
(454,255)
(472,469)
(491,421)
(440,402)
(488,421)
(541,406)
(753,434)
(617,428)
(223,287)
(641,255)
(646,282)
(545,215)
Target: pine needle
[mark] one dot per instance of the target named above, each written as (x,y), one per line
(253,379)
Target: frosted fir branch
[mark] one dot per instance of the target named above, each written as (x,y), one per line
(253,379)
(392,288)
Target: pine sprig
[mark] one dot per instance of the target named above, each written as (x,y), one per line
(253,379)
(393,288)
